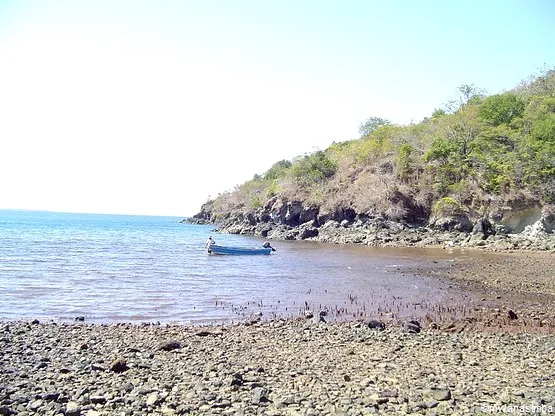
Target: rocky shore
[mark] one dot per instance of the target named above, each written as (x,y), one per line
(294,367)
(531,228)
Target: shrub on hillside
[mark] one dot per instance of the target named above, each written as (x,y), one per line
(315,167)
(447,207)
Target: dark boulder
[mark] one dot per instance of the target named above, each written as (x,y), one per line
(376,325)
(169,345)
(483,228)
(408,209)
(119,365)
(309,214)
(6,411)
(307,230)
(265,217)
(459,222)
(249,218)
(293,213)
(322,218)
(345,214)
(412,327)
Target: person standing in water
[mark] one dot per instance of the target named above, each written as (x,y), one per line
(209,242)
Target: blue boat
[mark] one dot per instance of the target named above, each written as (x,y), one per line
(216,249)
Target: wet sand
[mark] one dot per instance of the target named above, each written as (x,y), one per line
(520,282)
(517,271)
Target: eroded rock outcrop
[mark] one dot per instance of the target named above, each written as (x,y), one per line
(279,218)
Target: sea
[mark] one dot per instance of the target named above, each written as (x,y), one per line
(123,268)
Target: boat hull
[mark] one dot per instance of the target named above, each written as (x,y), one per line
(226,250)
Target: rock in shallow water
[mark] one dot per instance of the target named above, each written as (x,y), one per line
(412,327)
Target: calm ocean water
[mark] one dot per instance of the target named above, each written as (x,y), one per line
(111,268)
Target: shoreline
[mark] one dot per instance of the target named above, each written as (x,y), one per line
(521,282)
(486,361)
(480,292)
(385,233)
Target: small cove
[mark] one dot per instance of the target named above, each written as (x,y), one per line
(113,268)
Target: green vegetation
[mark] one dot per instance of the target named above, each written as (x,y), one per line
(501,109)
(447,206)
(316,167)
(477,149)
(371,125)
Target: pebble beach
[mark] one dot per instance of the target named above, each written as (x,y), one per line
(274,368)
(298,366)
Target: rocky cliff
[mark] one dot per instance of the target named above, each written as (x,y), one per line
(526,227)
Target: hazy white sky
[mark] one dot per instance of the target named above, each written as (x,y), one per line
(149,107)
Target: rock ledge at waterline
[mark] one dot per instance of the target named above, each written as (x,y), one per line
(273,368)
(530,228)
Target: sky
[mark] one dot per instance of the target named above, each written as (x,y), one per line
(152,107)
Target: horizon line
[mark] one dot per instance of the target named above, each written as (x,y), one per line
(50,211)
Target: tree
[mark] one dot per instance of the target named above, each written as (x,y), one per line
(370,125)
(544,129)
(277,170)
(438,112)
(501,109)
(463,130)
(450,153)
(542,84)
(468,95)
(404,160)
(316,167)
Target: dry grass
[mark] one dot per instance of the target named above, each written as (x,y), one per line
(370,191)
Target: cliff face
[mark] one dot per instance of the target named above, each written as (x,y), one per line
(525,228)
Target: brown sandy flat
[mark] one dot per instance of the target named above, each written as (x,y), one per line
(512,291)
